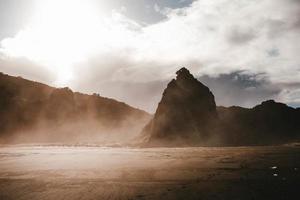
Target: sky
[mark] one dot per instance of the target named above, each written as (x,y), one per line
(246,51)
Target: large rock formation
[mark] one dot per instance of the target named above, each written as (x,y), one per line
(34,112)
(186,113)
(268,123)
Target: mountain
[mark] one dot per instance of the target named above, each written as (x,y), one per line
(268,123)
(34,112)
(187,115)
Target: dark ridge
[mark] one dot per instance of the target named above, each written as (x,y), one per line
(187,115)
(186,112)
(28,107)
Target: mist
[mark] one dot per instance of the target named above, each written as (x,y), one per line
(149,99)
(34,112)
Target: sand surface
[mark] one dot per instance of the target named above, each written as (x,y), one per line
(31,172)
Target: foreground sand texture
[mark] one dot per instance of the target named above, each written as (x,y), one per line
(81,172)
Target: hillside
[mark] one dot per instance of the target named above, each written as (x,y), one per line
(34,112)
(187,115)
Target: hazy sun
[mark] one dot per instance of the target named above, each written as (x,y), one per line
(61,33)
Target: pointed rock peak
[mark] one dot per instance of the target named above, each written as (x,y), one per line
(187,110)
(185,79)
(183,73)
(183,70)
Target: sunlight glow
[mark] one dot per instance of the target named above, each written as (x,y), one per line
(61,33)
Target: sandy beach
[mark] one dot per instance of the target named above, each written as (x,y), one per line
(29,172)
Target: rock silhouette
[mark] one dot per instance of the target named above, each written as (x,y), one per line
(40,113)
(268,123)
(187,115)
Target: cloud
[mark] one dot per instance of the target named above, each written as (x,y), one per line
(27,69)
(212,38)
(241,88)
(239,36)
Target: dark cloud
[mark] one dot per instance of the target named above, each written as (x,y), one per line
(275,27)
(273,52)
(240,88)
(239,36)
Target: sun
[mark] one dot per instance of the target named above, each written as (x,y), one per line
(61,33)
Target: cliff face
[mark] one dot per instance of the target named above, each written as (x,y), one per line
(186,112)
(187,115)
(34,112)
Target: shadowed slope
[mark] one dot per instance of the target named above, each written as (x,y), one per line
(35,112)
(187,115)
(268,123)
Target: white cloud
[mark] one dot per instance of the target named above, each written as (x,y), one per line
(225,35)
(210,37)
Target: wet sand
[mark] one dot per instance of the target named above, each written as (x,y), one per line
(80,172)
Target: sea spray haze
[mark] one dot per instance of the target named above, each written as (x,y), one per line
(34,112)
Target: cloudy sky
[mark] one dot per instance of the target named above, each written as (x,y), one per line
(246,51)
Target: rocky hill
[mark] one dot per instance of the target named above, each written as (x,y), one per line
(187,115)
(34,112)
(268,123)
